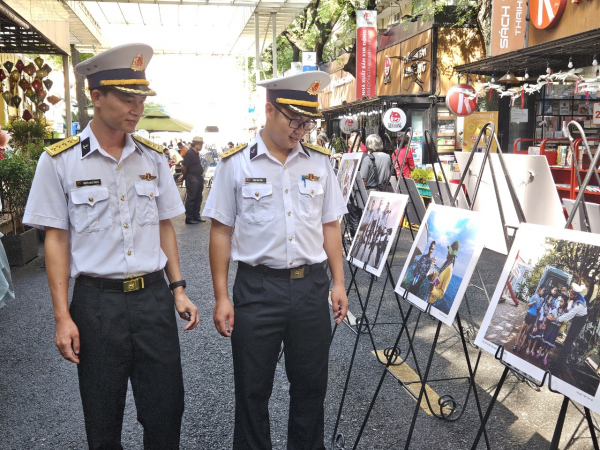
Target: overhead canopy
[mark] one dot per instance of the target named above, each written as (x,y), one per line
(160,121)
(211,27)
(554,54)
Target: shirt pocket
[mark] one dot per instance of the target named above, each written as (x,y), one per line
(146,210)
(257,203)
(310,199)
(91,209)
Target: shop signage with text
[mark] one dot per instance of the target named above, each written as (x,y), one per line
(366,54)
(394,119)
(596,116)
(546,13)
(386,70)
(348,124)
(508,26)
(461,100)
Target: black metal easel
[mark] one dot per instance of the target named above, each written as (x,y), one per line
(548,375)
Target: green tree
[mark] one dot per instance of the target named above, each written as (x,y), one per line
(83,101)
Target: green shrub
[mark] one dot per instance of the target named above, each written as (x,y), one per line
(421,175)
(16,176)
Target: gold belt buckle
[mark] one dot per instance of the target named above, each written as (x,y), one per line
(297,273)
(133,284)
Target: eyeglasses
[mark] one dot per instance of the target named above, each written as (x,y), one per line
(297,123)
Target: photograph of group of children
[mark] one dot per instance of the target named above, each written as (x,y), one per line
(545,310)
(376,230)
(442,260)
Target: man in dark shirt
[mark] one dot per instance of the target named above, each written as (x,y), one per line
(193,174)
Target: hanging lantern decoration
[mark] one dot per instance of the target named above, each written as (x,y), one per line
(15,76)
(12,83)
(27,116)
(7,96)
(35,98)
(39,62)
(29,69)
(8,66)
(24,84)
(40,74)
(39,115)
(20,66)
(42,94)
(47,68)
(43,107)
(2,75)
(53,99)
(48,83)
(36,85)
(16,101)
(29,92)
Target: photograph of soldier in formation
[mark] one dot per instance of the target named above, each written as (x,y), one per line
(546,313)
(442,259)
(376,230)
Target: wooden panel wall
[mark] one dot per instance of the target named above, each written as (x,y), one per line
(457,46)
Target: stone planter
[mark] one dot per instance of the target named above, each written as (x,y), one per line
(21,248)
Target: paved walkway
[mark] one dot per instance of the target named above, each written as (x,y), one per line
(40,406)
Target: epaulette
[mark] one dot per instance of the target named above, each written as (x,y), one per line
(63,145)
(156,147)
(317,148)
(234,150)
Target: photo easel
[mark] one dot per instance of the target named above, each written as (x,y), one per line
(547,379)
(449,409)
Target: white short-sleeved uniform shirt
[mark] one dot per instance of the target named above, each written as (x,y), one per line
(276,215)
(111,208)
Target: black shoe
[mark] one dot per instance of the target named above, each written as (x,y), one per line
(200,219)
(191,222)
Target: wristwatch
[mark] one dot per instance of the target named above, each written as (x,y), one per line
(176,284)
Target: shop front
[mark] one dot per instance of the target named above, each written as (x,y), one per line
(414,71)
(553,73)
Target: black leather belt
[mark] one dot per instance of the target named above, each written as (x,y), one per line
(127,285)
(295,273)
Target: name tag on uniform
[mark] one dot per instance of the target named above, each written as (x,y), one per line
(82,183)
(256,180)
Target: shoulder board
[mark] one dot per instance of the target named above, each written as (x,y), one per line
(317,148)
(156,147)
(63,145)
(234,150)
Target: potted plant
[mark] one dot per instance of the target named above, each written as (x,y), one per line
(421,176)
(17,170)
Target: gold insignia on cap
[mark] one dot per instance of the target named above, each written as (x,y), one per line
(138,64)
(314,88)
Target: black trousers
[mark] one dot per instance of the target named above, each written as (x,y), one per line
(577,324)
(269,311)
(353,217)
(126,336)
(193,200)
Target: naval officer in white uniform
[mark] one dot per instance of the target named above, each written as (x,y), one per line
(105,199)
(274,207)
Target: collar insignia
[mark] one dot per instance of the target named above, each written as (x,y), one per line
(138,64)
(148,177)
(314,88)
(253,151)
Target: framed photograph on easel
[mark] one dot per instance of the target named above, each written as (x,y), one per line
(549,320)
(347,173)
(442,259)
(376,231)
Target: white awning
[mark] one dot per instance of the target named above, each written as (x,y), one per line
(210,27)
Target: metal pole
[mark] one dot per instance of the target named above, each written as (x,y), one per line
(274,44)
(68,116)
(257,47)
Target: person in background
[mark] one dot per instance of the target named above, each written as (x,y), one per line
(182,149)
(533,307)
(352,142)
(577,315)
(4,147)
(439,281)
(193,174)
(376,168)
(322,140)
(398,157)
(230,145)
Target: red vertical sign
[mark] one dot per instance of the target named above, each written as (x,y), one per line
(366,54)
